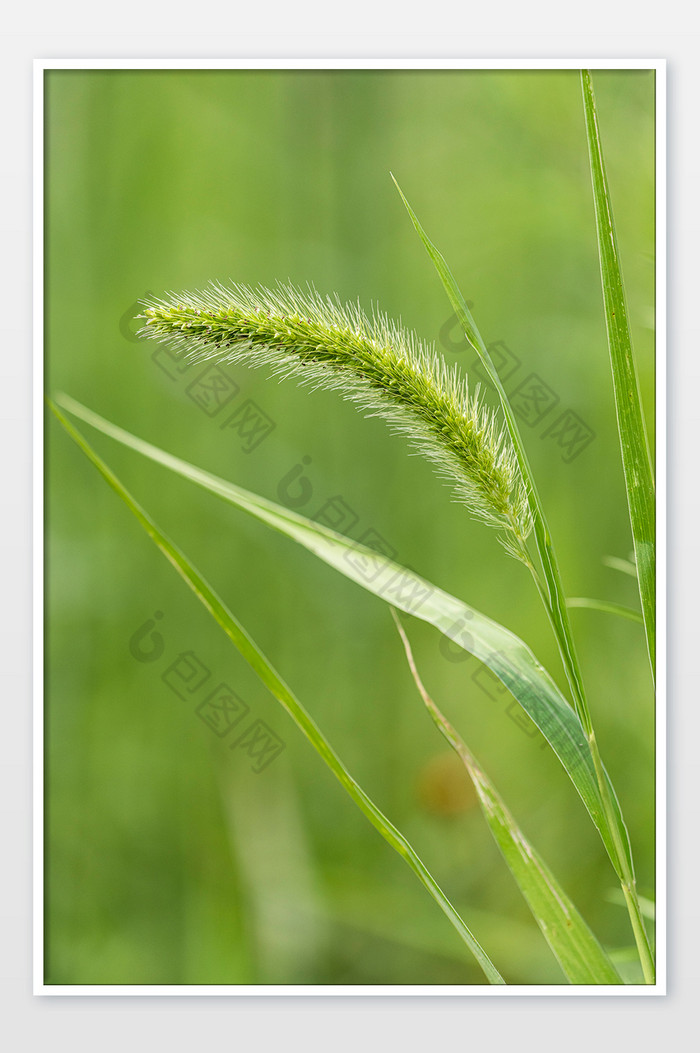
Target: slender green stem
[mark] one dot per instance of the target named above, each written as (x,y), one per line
(627,879)
(640,935)
(551,593)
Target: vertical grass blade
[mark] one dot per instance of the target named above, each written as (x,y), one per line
(268,675)
(575,947)
(636,459)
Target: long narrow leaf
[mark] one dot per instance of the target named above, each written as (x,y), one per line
(573,944)
(636,459)
(263,668)
(507,656)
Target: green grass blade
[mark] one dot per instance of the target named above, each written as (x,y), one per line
(607,606)
(262,667)
(508,657)
(575,947)
(636,460)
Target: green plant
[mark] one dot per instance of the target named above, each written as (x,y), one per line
(389,373)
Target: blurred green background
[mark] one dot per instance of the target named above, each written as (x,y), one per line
(169,859)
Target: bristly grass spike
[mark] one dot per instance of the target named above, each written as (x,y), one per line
(370,360)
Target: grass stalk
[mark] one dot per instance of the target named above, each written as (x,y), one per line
(628,882)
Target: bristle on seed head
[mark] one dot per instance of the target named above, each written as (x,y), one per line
(372,361)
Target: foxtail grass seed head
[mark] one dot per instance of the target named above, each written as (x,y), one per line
(369,360)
